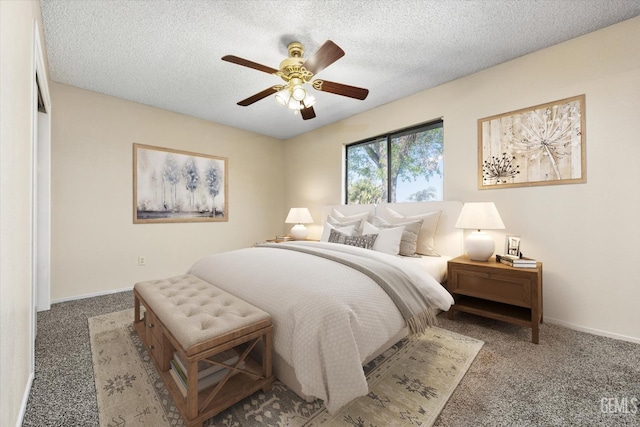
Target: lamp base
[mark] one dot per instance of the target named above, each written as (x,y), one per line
(299,232)
(479,246)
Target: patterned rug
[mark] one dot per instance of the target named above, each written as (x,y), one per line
(408,385)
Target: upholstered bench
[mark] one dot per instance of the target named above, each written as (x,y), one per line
(196,320)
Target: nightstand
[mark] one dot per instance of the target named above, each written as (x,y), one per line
(497,291)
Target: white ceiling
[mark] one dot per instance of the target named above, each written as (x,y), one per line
(167,53)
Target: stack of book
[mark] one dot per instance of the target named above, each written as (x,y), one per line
(208,374)
(516,261)
(284,238)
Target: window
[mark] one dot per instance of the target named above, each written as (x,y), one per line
(404,166)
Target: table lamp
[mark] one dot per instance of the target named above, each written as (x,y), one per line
(478,245)
(299,217)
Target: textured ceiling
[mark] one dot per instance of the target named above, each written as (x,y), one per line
(167,53)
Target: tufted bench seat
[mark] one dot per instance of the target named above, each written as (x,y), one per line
(197,320)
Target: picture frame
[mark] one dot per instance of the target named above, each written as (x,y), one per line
(178,186)
(540,145)
(512,245)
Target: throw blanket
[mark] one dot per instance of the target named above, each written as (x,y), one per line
(412,304)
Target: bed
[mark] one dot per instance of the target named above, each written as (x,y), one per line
(331,318)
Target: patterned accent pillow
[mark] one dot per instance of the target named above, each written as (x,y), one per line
(337,237)
(367,241)
(408,244)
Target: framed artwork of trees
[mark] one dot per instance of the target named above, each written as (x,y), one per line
(539,145)
(178,186)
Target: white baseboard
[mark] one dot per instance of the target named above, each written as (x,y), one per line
(591,330)
(97,294)
(25,399)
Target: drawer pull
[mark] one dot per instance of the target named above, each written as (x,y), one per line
(151,325)
(152,347)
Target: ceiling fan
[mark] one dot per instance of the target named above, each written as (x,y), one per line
(297,72)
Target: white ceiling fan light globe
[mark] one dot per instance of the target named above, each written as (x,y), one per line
(309,100)
(282,96)
(298,93)
(294,104)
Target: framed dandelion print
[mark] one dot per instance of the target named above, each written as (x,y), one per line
(541,145)
(178,186)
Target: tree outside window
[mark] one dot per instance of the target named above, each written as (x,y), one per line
(404,166)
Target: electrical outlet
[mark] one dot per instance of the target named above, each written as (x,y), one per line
(142,261)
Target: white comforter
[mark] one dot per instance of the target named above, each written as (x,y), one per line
(328,318)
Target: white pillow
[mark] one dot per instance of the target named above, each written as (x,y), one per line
(363,215)
(426,242)
(326,231)
(408,243)
(345,222)
(388,240)
(341,218)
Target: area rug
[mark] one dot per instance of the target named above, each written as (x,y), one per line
(408,385)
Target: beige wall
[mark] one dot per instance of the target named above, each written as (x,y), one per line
(16,77)
(586,234)
(95,245)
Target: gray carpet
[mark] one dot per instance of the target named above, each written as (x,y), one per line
(560,382)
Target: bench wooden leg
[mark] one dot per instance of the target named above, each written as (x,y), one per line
(136,308)
(267,342)
(192,389)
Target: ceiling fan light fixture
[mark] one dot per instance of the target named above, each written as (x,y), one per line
(297,71)
(283,96)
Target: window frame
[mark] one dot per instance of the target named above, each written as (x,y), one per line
(423,127)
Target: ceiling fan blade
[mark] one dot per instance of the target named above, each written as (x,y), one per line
(250,64)
(257,97)
(308,113)
(341,89)
(328,53)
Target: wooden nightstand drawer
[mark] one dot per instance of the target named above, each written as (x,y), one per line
(493,286)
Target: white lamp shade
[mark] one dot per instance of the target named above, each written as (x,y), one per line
(478,245)
(299,216)
(480,216)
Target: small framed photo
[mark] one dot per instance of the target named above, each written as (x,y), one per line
(512,245)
